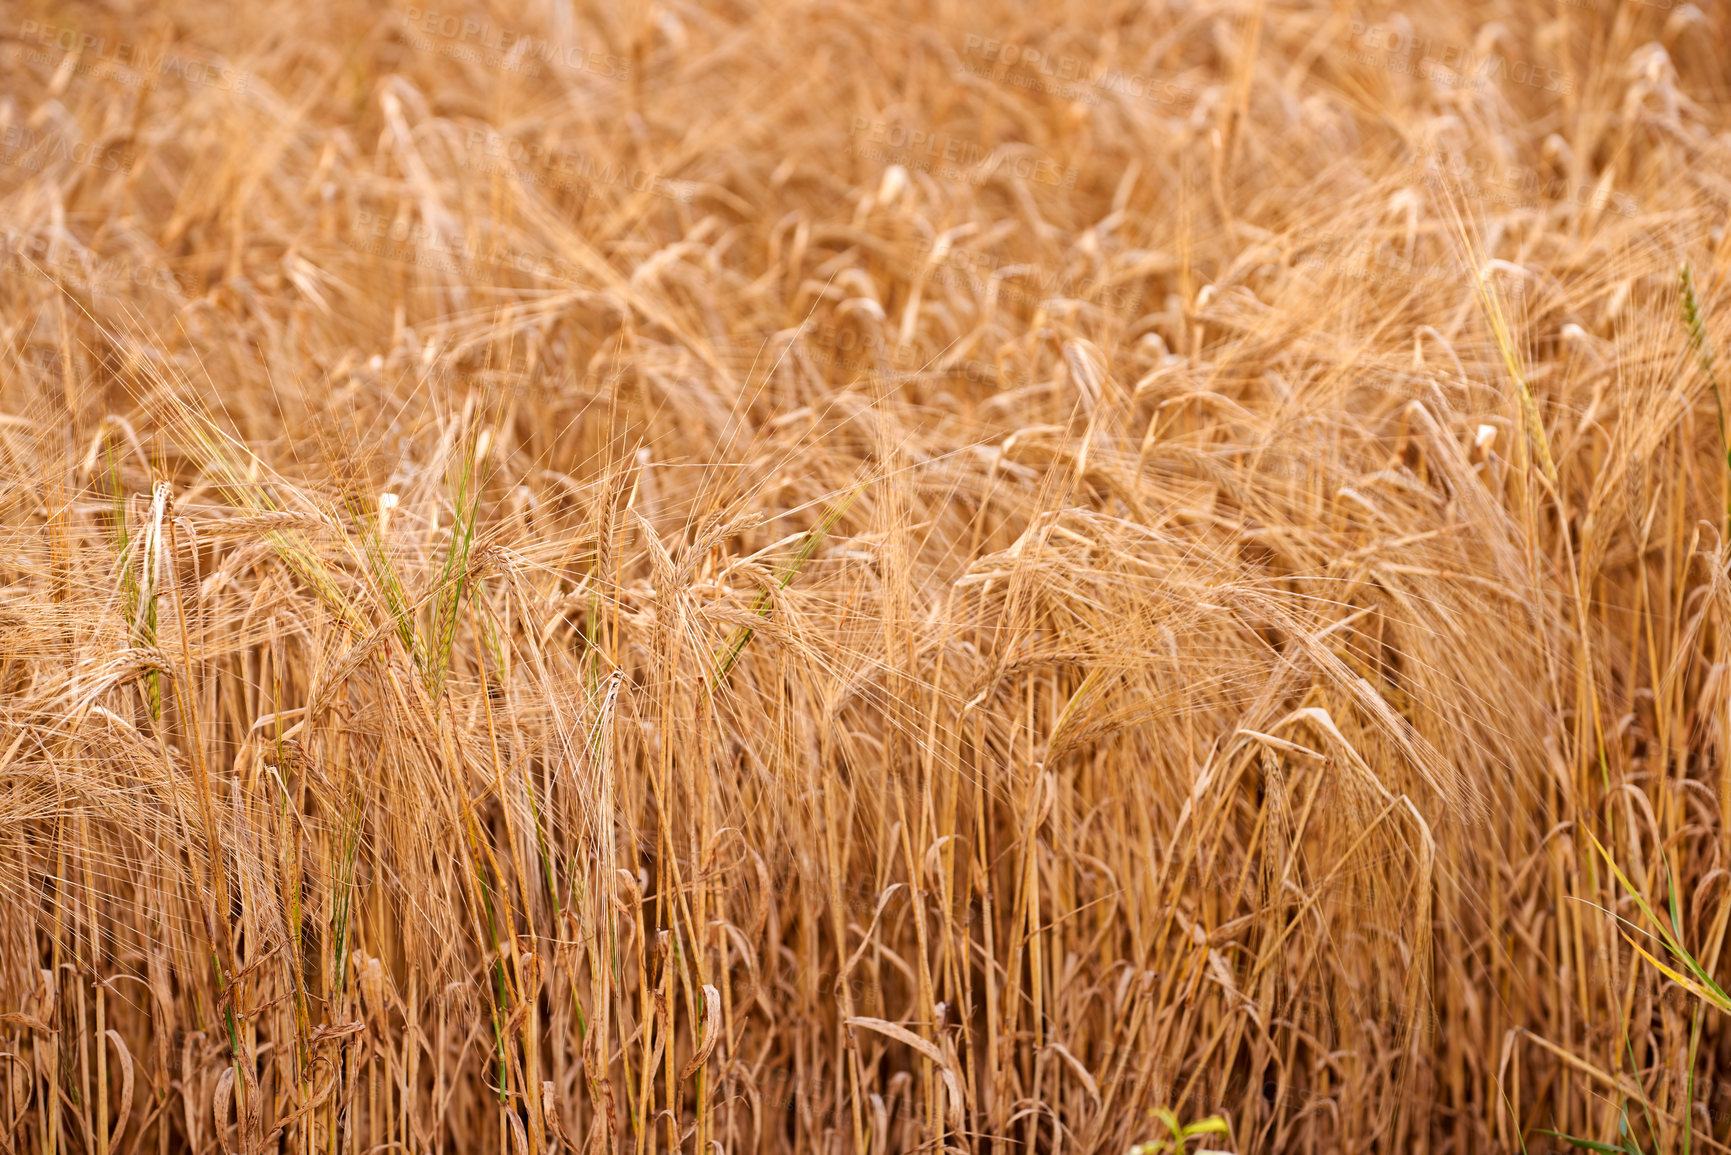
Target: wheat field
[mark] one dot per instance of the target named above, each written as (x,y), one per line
(839,577)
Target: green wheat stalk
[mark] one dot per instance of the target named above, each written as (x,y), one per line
(138,604)
(1503,334)
(454,580)
(809,542)
(347,852)
(366,516)
(1703,347)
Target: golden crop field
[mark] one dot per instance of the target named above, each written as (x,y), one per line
(864,577)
